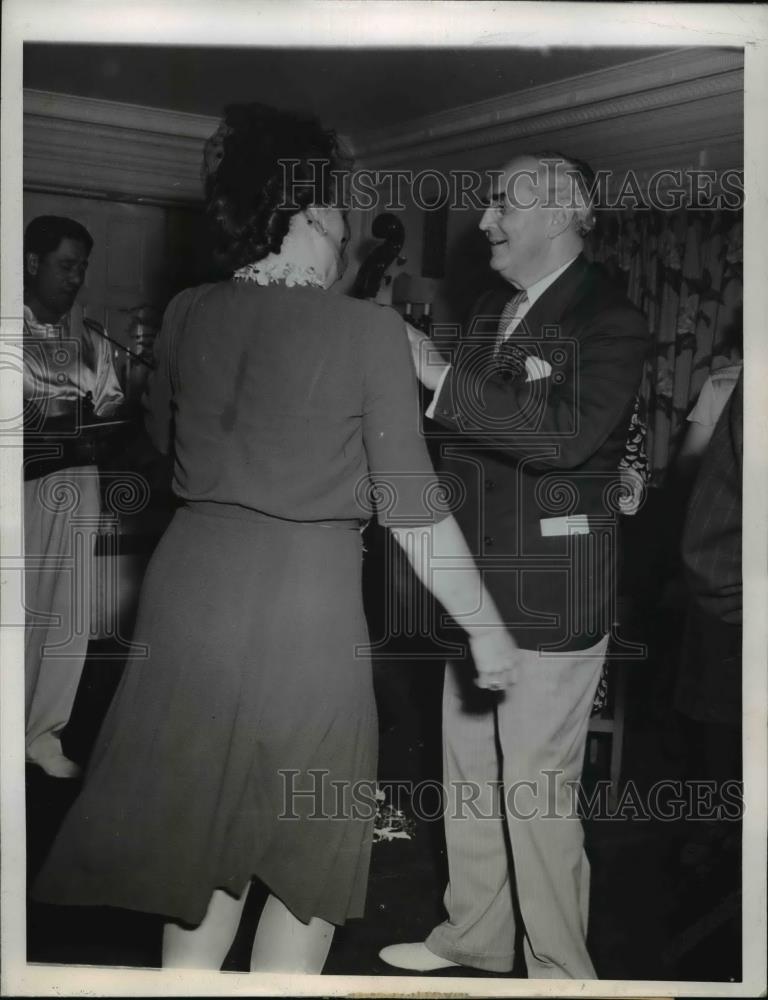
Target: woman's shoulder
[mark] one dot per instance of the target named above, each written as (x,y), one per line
(357,319)
(351,317)
(183,300)
(370,316)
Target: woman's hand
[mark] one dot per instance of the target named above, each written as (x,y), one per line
(496,656)
(427,360)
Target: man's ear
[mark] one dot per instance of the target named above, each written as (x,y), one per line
(32,263)
(316,216)
(559,222)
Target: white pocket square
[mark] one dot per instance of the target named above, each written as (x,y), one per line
(537,368)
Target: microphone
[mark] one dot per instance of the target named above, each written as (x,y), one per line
(94,327)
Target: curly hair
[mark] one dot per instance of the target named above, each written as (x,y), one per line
(261,167)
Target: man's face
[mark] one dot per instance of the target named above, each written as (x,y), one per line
(515,223)
(55,278)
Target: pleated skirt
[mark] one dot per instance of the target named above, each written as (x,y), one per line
(242,739)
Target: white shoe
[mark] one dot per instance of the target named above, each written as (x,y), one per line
(57,766)
(414,956)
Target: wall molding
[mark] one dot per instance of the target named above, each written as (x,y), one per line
(92,111)
(665,81)
(105,149)
(128,152)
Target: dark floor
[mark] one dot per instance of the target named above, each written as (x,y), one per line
(664,907)
(654,916)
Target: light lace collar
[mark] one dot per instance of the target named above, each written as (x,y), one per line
(276,271)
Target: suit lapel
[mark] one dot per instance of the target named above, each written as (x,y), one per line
(557,300)
(484,322)
(548,310)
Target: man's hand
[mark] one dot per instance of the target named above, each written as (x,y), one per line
(427,360)
(496,656)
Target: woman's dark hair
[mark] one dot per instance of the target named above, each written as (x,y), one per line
(261,168)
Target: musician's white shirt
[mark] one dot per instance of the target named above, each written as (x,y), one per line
(66,360)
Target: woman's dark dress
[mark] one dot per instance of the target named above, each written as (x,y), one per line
(251,679)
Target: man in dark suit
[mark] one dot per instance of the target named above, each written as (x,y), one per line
(538,398)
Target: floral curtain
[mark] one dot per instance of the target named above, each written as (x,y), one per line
(684,270)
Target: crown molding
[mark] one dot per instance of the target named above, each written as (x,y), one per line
(107,149)
(130,152)
(92,111)
(120,163)
(663,81)
(110,150)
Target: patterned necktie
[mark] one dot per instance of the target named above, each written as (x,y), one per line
(509,356)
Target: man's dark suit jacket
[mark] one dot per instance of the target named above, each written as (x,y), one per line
(520,452)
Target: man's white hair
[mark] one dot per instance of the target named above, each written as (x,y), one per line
(573,188)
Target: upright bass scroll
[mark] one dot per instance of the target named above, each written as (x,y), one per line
(389,228)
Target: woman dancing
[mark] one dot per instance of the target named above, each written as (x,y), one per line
(242,740)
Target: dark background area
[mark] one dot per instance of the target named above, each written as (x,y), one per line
(203,81)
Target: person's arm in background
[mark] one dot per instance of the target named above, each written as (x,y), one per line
(701,424)
(694,445)
(682,475)
(712,400)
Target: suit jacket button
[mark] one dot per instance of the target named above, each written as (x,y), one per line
(488,541)
(490,484)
